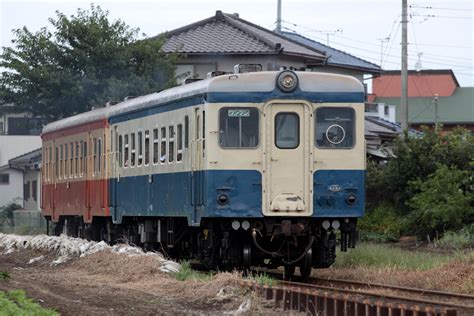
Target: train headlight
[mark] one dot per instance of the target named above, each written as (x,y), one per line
(335,224)
(287,81)
(351,198)
(235,225)
(223,199)
(245,225)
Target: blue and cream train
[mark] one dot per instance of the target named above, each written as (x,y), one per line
(236,170)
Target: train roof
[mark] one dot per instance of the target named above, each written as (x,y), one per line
(246,82)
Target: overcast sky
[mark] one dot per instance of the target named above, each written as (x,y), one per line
(441,31)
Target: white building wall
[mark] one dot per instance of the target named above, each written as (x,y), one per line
(12,146)
(33,200)
(13,191)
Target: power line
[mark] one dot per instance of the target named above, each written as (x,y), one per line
(438,8)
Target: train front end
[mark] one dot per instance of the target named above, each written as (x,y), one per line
(289,167)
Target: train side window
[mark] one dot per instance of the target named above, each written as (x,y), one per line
(81,158)
(140,148)
(335,127)
(186,132)
(132,151)
(71,160)
(125,152)
(120,150)
(99,155)
(51,163)
(56,162)
(287,130)
(94,159)
(85,157)
(77,160)
(155,146)
(163,145)
(238,127)
(66,162)
(171,144)
(61,160)
(203,133)
(179,141)
(147,147)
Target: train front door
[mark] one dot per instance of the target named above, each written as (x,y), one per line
(287,159)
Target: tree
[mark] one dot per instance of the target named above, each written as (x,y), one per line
(85,61)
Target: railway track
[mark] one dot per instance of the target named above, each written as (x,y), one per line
(332,297)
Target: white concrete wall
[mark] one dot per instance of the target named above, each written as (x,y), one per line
(14,189)
(12,146)
(30,203)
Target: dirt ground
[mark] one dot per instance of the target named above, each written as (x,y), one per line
(106,283)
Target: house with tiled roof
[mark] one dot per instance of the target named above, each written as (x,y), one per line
(432,95)
(224,40)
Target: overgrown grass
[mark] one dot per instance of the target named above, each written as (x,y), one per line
(264,279)
(16,303)
(4,275)
(371,255)
(458,240)
(187,273)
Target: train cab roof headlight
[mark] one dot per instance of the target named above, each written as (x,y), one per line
(335,224)
(351,198)
(287,81)
(326,225)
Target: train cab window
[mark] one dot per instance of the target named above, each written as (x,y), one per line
(140,149)
(179,141)
(334,127)
(163,145)
(238,127)
(287,130)
(147,147)
(133,155)
(186,132)
(99,155)
(126,151)
(171,144)
(71,160)
(155,146)
(120,150)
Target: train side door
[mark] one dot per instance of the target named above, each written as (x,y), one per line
(197,159)
(287,160)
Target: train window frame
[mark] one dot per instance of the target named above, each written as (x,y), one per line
(71,160)
(275,129)
(81,159)
(76,162)
(66,161)
(94,156)
(85,157)
(61,160)
(186,132)
(171,149)
(163,146)
(147,147)
(99,155)
(56,161)
(316,124)
(258,140)
(140,148)
(156,147)
(133,154)
(120,150)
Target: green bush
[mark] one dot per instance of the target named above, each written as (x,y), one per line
(458,240)
(6,213)
(380,225)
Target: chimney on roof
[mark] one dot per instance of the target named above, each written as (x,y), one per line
(219,14)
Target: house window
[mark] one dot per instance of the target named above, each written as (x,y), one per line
(147,147)
(34,190)
(4,178)
(26,190)
(386,110)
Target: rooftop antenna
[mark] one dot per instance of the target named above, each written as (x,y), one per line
(418,65)
(382,41)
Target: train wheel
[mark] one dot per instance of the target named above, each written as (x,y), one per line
(306,264)
(289,271)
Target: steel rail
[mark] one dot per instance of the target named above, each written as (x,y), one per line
(395,287)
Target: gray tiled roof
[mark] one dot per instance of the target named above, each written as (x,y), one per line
(228,34)
(335,57)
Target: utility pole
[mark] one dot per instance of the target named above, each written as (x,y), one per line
(404,72)
(278,22)
(435,101)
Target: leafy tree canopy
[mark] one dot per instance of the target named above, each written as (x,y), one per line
(85,61)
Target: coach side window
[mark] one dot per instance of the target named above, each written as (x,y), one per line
(125,152)
(334,127)
(147,147)
(163,145)
(81,158)
(179,141)
(77,160)
(120,150)
(56,162)
(61,160)
(140,148)
(99,155)
(71,161)
(94,144)
(85,157)
(66,162)
(238,127)
(186,132)
(132,152)
(171,144)
(155,146)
